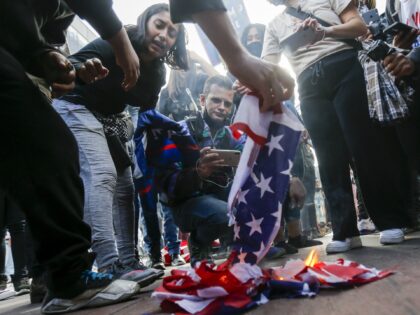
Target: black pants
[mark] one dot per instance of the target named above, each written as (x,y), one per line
(12,219)
(335,111)
(39,167)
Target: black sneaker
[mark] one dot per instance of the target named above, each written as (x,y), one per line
(22,286)
(142,276)
(3,282)
(302,242)
(157,263)
(177,260)
(100,289)
(137,265)
(198,253)
(290,249)
(38,290)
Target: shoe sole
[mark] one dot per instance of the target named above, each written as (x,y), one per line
(97,299)
(148,280)
(391,240)
(354,243)
(337,250)
(23,291)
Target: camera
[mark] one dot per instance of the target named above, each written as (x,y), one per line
(378,50)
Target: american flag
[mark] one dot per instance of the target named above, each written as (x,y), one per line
(262,177)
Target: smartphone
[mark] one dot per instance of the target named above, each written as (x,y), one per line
(230,157)
(371,16)
(298,39)
(397,27)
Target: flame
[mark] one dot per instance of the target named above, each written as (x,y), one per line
(312,258)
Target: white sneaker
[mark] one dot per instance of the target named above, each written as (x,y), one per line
(343,246)
(366,226)
(391,236)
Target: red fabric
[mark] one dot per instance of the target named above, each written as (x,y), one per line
(245,128)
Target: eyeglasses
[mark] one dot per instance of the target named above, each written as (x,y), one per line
(218,101)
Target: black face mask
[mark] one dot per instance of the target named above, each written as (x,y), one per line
(255,49)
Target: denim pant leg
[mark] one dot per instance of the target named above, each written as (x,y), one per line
(123,213)
(205,217)
(147,244)
(148,200)
(99,178)
(170,231)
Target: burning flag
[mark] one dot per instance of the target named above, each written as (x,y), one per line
(341,273)
(258,190)
(262,178)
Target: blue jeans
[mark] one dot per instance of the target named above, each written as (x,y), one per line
(109,195)
(205,217)
(170,231)
(149,220)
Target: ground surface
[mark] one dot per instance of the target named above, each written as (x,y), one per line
(395,295)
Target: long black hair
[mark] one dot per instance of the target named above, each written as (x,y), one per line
(176,57)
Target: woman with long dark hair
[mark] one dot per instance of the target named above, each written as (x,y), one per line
(252,38)
(94,113)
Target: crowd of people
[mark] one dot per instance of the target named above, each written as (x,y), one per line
(107,163)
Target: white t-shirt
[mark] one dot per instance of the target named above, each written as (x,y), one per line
(410,15)
(284,25)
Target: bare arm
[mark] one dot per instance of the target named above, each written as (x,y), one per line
(126,58)
(353,26)
(272,82)
(207,67)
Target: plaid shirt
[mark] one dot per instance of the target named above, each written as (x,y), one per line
(386,103)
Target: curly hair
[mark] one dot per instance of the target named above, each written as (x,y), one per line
(176,57)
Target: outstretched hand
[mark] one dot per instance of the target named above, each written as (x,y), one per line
(273,83)
(92,70)
(58,72)
(126,58)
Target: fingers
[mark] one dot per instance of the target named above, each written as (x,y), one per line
(240,88)
(131,76)
(389,60)
(281,88)
(204,151)
(92,70)
(209,157)
(398,65)
(61,70)
(60,62)
(309,22)
(126,58)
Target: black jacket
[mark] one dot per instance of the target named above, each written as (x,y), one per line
(106,96)
(21,22)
